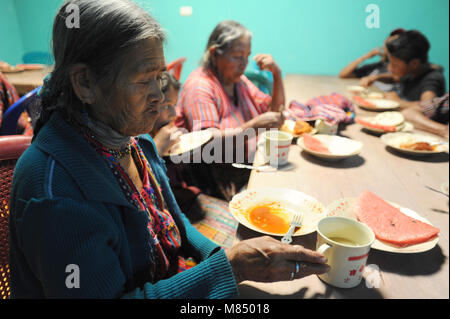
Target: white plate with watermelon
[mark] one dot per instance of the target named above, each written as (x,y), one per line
(385,122)
(404,127)
(346,207)
(268,210)
(376,104)
(331,147)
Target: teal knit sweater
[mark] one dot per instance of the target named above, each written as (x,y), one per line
(68,213)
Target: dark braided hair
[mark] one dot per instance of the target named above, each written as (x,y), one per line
(108,31)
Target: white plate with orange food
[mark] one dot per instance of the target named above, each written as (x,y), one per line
(268,210)
(297,128)
(415,143)
(331,147)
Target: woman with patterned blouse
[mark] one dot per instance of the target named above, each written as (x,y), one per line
(219,97)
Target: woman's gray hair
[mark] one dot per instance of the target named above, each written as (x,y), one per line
(108,31)
(222,38)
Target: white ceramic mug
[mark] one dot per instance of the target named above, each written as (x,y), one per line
(323,127)
(275,145)
(346,244)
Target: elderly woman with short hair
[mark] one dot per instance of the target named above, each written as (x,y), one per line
(92,212)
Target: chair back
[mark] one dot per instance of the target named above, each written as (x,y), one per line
(38,57)
(11,148)
(176,66)
(262,79)
(11,117)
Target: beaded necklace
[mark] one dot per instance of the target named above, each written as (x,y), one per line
(117,153)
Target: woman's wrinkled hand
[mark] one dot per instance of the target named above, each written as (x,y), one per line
(265,259)
(167,137)
(268,120)
(266,62)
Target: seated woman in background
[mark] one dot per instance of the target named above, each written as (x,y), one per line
(9,96)
(219,96)
(90,195)
(377,71)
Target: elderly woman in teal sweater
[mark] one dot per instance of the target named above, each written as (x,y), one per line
(92,212)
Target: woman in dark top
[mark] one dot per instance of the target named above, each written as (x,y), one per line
(90,197)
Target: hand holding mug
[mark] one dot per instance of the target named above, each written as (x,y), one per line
(346,243)
(265,259)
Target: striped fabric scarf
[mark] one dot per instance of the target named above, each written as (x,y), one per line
(333,109)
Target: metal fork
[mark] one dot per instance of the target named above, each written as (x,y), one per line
(436,143)
(261,168)
(296,221)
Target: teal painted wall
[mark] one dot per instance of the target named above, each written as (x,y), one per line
(35,19)
(11,45)
(304,36)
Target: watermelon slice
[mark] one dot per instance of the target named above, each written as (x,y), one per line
(387,128)
(360,101)
(314,144)
(389,224)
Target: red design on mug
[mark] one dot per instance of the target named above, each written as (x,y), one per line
(357,257)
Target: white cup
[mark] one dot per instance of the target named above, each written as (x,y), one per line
(275,145)
(346,244)
(323,127)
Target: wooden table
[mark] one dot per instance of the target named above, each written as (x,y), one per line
(397,178)
(28,80)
